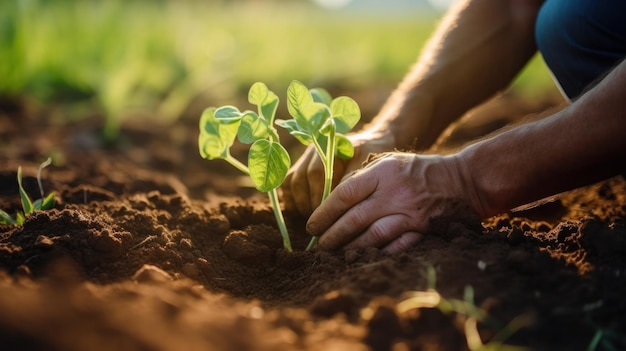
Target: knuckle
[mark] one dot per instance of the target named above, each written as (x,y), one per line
(298,179)
(315,170)
(357,219)
(347,191)
(378,233)
(406,241)
(299,196)
(403,243)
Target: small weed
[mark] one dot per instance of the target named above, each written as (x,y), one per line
(605,338)
(29,206)
(467,308)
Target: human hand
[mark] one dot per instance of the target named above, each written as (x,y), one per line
(391,202)
(304,185)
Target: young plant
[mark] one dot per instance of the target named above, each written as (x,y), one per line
(321,121)
(268,161)
(317,119)
(468,311)
(43,203)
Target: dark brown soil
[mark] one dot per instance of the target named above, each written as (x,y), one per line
(149,247)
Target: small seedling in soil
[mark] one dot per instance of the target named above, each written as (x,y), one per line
(467,310)
(268,161)
(29,206)
(321,121)
(317,119)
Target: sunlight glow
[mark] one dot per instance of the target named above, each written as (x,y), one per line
(332,4)
(441,4)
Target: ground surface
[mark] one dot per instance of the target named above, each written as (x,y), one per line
(151,248)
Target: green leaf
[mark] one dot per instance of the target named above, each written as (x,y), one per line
(345,112)
(228,114)
(269,107)
(252,128)
(20,218)
(345,149)
(321,141)
(298,96)
(44,203)
(5,218)
(265,100)
(343,146)
(289,124)
(268,162)
(321,95)
(309,114)
(294,129)
(48,202)
(27,205)
(316,114)
(303,137)
(328,126)
(215,138)
(258,93)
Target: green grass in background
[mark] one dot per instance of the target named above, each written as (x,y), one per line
(119,56)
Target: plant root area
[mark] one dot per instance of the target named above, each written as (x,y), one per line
(149,247)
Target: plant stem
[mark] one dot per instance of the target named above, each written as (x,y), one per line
(44,164)
(330,163)
(273,194)
(328,159)
(235,162)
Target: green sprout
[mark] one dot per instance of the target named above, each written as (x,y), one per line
(321,121)
(268,161)
(29,206)
(467,309)
(317,119)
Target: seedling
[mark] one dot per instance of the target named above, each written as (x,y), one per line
(317,119)
(467,309)
(321,121)
(268,161)
(43,203)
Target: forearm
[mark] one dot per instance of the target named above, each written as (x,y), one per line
(477,50)
(579,145)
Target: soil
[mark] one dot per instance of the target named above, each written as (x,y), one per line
(149,247)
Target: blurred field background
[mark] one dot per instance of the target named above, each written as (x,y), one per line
(119,57)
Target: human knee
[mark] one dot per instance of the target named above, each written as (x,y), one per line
(580,40)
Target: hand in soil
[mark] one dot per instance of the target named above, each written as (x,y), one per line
(391,203)
(304,185)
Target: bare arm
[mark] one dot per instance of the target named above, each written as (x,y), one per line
(576,146)
(477,50)
(582,144)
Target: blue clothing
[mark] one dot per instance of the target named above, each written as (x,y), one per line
(581,40)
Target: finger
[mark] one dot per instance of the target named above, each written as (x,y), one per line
(381,232)
(299,189)
(287,194)
(362,218)
(315,175)
(299,186)
(344,198)
(403,242)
